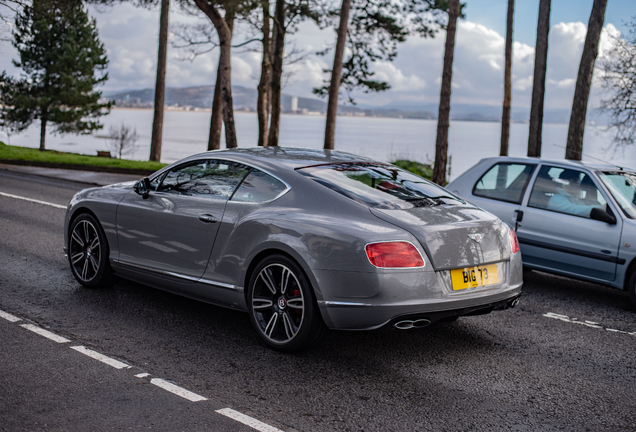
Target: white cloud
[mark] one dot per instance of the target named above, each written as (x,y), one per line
(567,83)
(385,71)
(522,84)
(242,72)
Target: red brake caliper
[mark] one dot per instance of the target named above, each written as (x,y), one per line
(296,294)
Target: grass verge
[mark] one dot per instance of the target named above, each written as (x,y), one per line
(422,170)
(55,159)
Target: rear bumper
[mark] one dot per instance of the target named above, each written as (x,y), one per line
(364,316)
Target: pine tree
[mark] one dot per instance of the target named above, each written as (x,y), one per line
(62,60)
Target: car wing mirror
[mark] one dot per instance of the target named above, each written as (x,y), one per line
(603,216)
(142,187)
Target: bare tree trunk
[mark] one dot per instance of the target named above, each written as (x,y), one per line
(574,148)
(336,76)
(277,72)
(216,119)
(262,103)
(505,116)
(441,144)
(43,118)
(225,69)
(538,85)
(160,85)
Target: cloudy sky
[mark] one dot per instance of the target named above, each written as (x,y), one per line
(130,37)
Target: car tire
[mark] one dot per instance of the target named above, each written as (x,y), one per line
(282,305)
(88,252)
(631,287)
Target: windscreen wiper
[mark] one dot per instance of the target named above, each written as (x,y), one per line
(425,201)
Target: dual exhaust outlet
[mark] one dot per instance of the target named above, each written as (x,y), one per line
(411,324)
(422,322)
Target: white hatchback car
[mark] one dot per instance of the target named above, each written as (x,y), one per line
(572,218)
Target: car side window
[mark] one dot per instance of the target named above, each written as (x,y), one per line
(504,182)
(259,187)
(208,178)
(566,191)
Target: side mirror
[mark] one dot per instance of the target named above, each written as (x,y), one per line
(603,216)
(142,187)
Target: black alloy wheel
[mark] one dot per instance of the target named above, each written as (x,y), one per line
(282,306)
(88,252)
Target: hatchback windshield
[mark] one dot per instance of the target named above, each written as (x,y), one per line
(380,185)
(622,186)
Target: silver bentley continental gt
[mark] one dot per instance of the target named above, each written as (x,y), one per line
(302,240)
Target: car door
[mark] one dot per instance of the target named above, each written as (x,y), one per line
(556,232)
(173,229)
(501,188)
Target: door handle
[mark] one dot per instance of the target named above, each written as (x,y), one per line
(206,218)
(518,219)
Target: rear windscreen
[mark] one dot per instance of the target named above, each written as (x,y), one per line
(380,185)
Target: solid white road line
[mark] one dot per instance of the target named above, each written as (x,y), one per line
(102,358)
(47,334)
(9,317)
(193,397)
(247,420)
(33,200)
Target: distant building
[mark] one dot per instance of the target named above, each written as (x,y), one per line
(294,103)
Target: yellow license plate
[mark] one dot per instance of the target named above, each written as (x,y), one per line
(471,277)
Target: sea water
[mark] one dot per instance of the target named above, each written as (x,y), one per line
(385,139)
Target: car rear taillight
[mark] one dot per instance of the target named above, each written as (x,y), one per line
(394,255)
(514,242)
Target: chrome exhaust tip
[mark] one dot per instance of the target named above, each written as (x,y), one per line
(514,303)
(411,324)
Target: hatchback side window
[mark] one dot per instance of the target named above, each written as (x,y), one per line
(204,179)
(504,182)
(259,187)
(565,190)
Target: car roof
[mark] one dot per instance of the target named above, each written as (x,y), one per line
(287,157)
(575,164)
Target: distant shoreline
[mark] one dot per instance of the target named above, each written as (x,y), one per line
(208,110)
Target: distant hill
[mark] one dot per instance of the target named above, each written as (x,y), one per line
(488,113)
(201,97)
(245,99)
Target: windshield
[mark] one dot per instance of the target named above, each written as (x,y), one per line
(622,186)
(380,185)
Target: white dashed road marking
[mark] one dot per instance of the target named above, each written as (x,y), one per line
(47,334)
(9,317)
(168,386)
(101,357)
(590,324)
(33,200)
(193,397)
(247,420)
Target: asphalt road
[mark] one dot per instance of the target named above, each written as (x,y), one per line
(564,359)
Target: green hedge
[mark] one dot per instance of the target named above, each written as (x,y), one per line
(422,170)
